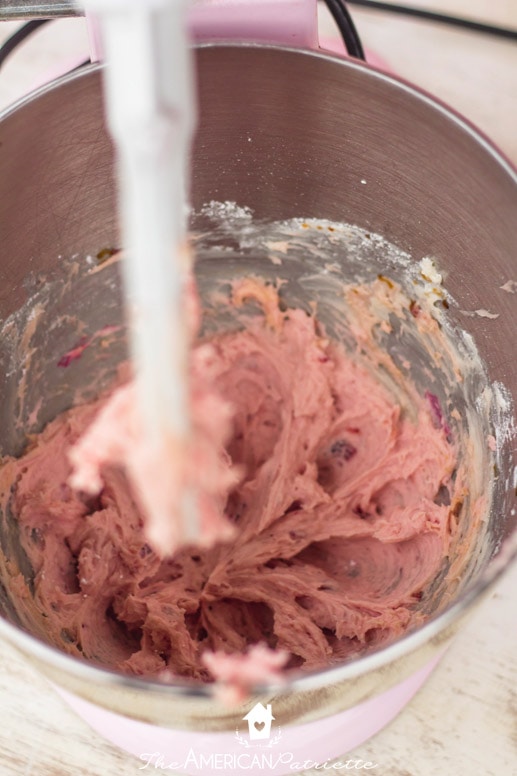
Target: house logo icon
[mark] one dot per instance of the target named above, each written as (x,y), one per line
(259,721)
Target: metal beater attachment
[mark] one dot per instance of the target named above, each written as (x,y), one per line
(150,113)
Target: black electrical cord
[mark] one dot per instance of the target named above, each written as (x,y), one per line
(347,28)
(337,8)
(80,65)
(341,16)
(440,18)
(21,34)
(18,37)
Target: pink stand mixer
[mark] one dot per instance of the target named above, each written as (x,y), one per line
(381,684)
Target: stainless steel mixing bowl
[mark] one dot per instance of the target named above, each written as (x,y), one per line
(288,134)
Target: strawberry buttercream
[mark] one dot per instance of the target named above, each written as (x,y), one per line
(323,501)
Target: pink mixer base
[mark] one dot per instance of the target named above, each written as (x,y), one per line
(286,750)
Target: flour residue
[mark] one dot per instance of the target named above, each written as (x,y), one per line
(510,287)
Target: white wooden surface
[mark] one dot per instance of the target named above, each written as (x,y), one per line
(464,721)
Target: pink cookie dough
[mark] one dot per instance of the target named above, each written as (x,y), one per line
(319,493)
